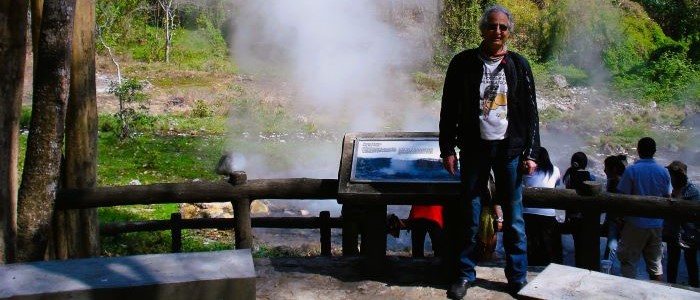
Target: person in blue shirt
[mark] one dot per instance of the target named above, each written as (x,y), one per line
(643,236)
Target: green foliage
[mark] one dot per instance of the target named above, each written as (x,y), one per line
(678,18)
(627,136)
(640,37)
(202,49)
(136,28)
(527,34)
(200,109)
(132,105)
(574,76)
(25,117)
(574,34)
(670,78)
(460,27)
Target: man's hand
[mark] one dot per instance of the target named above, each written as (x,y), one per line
(450,164)
(529,167)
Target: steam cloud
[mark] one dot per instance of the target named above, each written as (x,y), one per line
(347,65)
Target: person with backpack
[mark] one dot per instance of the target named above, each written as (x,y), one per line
(574,178)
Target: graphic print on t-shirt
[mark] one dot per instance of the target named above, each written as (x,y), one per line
(494,94)
(493,102)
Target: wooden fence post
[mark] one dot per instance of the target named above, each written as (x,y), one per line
(325,226)
(242,227)
(176,232)
(587,250)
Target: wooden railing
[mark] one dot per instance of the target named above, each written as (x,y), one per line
(241,192)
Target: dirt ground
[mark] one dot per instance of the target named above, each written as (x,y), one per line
(398,277)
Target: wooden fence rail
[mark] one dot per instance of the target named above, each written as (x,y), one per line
(240,192)
(306,188)
(324,222)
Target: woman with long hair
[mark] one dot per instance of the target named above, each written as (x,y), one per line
(543,234)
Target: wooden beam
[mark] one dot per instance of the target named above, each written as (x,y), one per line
(306,188)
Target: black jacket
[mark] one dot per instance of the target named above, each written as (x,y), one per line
(459,114)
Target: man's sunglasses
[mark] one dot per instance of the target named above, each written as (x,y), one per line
(493,27)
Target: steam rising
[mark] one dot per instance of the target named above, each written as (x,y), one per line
(346,62)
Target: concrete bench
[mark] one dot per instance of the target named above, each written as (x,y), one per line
(201,275)
(565,282)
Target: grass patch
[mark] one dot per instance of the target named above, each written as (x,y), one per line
(151,159)
(627,136)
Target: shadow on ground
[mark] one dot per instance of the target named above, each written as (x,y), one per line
(397,277)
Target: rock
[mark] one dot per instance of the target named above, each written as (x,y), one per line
(206,210)
(560,81)
(258,207)
(188,211)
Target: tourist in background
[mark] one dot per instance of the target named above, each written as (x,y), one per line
(574,178)
(422,220)
(614,166)
(543,232)
(642,236)
(682,235)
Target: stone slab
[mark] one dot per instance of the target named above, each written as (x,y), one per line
(565,282)
(198,275)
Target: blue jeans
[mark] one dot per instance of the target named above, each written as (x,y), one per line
(462,217)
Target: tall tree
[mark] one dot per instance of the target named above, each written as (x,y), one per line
(40,177)
(13,44)
(169,10)
(76,232)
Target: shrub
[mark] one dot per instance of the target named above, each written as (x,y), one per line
(200,109)
(132,104)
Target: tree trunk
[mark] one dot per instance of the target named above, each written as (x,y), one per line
(40,177)
(167,6)
(37,13)
(75,232)
(13,33)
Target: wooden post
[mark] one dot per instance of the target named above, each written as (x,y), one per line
(375,234)
(176,232)
(324,225)
(587,252)
(242,227)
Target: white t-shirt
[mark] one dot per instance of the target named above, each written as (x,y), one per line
(493,93)
(540,179)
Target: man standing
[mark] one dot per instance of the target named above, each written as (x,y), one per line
(489,112)
(642,236)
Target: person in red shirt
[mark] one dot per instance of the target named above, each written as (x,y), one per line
(425,219)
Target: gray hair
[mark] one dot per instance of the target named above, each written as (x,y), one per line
(496,8)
